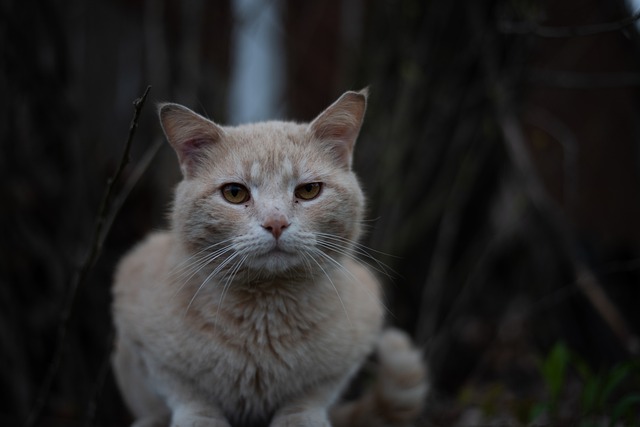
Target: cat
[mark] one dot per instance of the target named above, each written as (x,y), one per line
(252,309)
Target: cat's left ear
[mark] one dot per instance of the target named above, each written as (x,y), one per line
(190,135)
(339,125)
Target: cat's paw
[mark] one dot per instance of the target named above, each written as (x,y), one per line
(151,422)
(316,418)
(196,421)
(187,417)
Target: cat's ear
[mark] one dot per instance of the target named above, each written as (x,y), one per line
(339,125)
(190,135)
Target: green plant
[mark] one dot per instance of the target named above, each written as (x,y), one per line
(604,395)
(554,373)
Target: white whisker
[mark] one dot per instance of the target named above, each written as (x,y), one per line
(305,257)
(365,249)
(348,273)
(197,266)
(348,248)
(230,276)
(186,264)
(331,281)
(211,275)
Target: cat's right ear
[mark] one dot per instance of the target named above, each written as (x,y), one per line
(190,135)
(338,126)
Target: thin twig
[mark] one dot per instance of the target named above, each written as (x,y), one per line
(594,291)
(514,141)
(101,378)
(564,136)
(591,288)
(568,31)
(105,205)
(135,175)
(577,80)
(99,235)
(433,291)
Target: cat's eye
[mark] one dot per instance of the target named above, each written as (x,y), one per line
(235,193)
(308,191)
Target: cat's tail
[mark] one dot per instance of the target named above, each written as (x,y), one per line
(398,395)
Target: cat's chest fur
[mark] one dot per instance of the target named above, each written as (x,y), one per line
(254,345)
(243,349)
(267,328)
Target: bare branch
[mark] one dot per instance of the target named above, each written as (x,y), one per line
(586,281)
(99,235)
(565,137)
(569,31)
(593,290)
(574,80)
(105,205)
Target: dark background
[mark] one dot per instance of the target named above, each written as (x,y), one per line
(500,155)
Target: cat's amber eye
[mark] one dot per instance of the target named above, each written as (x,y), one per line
(308,191)
(235,193)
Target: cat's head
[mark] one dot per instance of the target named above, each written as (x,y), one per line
(272,197)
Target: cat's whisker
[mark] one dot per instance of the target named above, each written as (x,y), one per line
(353,278)
(305,257)
(186,263)
(376,219)
(344,308)
(363,249)
(202,259)
(209,277)
(337,264)
(349,243)
(201,264)
(339,245)
(230,276)
(197,266)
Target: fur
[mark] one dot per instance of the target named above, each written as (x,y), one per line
(255,311)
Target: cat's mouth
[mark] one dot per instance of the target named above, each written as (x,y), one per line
(276,247)
(277,252)
(275,259)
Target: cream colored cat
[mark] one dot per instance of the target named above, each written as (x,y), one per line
(252,310)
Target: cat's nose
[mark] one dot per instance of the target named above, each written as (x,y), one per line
(275,225)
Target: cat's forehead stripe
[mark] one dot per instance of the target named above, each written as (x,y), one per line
(281,165)
(256,169)
(287,166)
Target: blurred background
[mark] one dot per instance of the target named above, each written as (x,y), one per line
(500,155)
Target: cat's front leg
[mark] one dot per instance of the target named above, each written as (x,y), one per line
(304,417)
(194,415)
(150,422)
(310,410)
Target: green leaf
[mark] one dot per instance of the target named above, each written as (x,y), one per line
(554,369)
(582,367)
(623,407)
(613,380)
(536,411)
(589,395)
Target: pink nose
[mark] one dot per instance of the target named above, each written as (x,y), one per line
(275,225)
